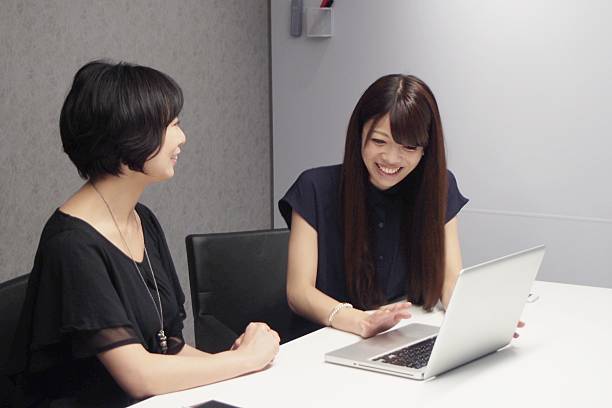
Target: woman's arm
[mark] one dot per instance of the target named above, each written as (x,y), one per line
(452,260)
(142,374)
(306,300)
(188,351)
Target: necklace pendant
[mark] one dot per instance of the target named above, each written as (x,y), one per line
(163,344)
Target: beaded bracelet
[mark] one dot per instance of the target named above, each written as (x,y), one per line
(335,310)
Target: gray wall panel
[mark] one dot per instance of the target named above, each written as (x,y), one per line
(218,51)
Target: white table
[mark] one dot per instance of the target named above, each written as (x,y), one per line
(562,359)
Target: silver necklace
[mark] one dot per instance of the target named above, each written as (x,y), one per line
(161,336)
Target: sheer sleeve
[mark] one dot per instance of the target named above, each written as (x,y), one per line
(89,343)
(75,293)
(92,342)
(175,345)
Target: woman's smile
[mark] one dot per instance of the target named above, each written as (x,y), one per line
(388,171)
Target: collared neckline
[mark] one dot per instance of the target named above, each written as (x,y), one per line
(377,196)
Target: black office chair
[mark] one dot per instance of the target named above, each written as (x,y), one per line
(12,295)
(237,278)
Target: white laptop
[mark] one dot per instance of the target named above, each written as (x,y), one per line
(481,318)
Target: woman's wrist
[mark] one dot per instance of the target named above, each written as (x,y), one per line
(350,320)
(335,311)
(361,323)
(246,360)
(363,329)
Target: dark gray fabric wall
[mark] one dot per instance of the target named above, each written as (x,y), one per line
(218,51)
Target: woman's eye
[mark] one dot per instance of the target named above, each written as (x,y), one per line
(378,142)
(410,148)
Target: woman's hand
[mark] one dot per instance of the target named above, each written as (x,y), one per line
(519,325)
(384,318)
(259,344)
(237,342)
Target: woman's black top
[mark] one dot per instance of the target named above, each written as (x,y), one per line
(84,297)
(316,197)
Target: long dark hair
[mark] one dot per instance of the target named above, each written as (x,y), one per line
(415,121)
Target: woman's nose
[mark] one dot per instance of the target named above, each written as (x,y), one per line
(183,138)
(392,155)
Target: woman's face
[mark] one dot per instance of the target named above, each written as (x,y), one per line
(387,162)
(161,166)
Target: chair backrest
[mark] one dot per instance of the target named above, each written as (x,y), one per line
(237,278)
(12,295)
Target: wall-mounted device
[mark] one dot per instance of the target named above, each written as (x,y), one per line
(296,18)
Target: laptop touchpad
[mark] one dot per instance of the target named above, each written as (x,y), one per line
(398,337)
(386,342)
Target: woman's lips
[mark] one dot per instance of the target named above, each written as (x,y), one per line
(388,171)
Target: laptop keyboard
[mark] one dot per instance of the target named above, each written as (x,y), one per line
(413,356)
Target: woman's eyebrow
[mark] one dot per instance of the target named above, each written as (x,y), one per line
(380,132)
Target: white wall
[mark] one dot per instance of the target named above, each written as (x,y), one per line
(523,89)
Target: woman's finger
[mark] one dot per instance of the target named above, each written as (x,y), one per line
(396,306)
(404,314)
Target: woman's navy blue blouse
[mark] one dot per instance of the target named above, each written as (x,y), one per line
(316,197)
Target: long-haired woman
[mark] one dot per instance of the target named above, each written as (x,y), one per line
(382,225)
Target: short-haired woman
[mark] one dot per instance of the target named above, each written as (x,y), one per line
(103,318)
(382,225)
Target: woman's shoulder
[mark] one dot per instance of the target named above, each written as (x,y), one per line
(65,235)
(321,177)
(65,227)
(451,179)
(323,171)
(455,199)
(314,191)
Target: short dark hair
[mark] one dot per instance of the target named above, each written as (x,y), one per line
(116,114)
